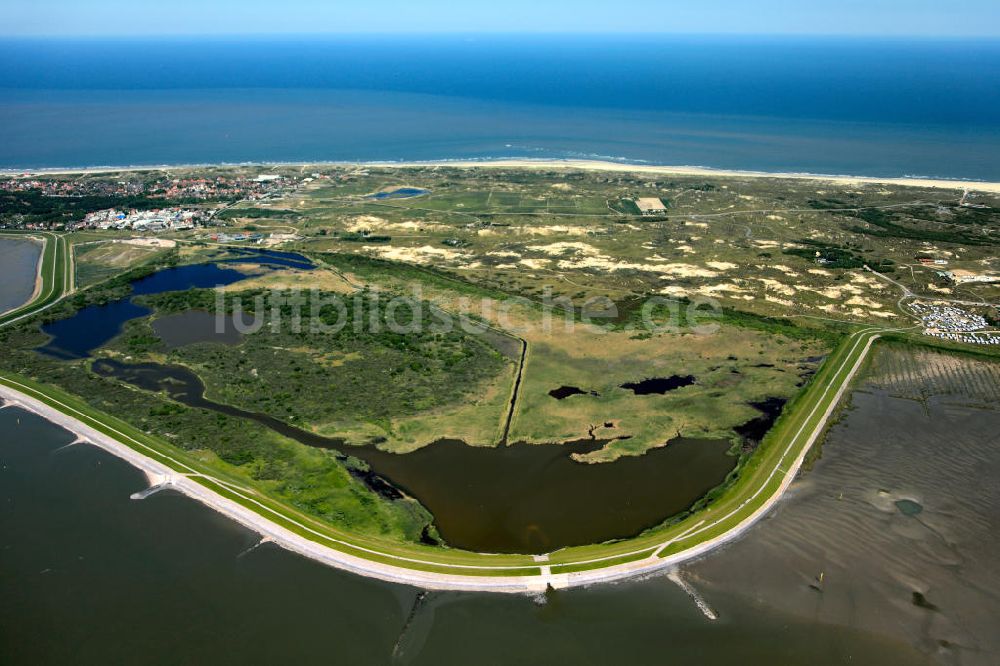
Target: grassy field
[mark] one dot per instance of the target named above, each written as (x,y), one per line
(359,384)
(734,364)
(750,243)
(99,260)
(778,262)
(410,390)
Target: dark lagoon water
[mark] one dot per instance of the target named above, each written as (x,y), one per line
(517,498)
(755,429)
(89,576)
(193,326)
(826,105)
(19,262)
(77,336)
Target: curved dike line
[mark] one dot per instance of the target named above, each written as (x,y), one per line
(187,481)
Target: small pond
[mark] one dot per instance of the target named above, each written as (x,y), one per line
(193,326)
(564,392)
(400,193)
(659,385)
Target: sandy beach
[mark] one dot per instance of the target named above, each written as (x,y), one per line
(587,165)
(596,165)
(38,273)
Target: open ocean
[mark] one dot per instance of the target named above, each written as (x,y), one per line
(927,108)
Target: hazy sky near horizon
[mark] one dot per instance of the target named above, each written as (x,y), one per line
(955,18)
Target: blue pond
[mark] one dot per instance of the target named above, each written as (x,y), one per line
(270,258)
(401,193)
(77,336)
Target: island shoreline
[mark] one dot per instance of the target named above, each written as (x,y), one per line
(568,164)
(158,473)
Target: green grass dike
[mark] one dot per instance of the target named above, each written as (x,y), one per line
(759,478)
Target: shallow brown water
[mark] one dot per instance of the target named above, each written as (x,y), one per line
(90,577)
(19,264)
(194,326)
(529,498)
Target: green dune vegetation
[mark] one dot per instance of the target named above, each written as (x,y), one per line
(363,382)
(521,311)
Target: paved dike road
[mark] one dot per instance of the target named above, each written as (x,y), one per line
(761,484)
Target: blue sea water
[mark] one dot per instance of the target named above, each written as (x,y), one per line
(822,105)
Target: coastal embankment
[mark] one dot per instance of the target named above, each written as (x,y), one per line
(725,521)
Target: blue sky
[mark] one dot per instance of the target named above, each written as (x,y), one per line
(951,18)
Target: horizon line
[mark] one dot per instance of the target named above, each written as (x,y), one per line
(466,34)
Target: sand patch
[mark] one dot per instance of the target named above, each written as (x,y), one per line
(721,265)
(373,223)
(678,270)
(595,260)
(554,230)
(778,287)
(365,222)
(723,288)
(418,255)
(866,302)
(151,242)
(779,301)
(835,293)
(866,280)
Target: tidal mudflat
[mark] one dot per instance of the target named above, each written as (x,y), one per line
(894,530)
(166,580)
(19,259)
